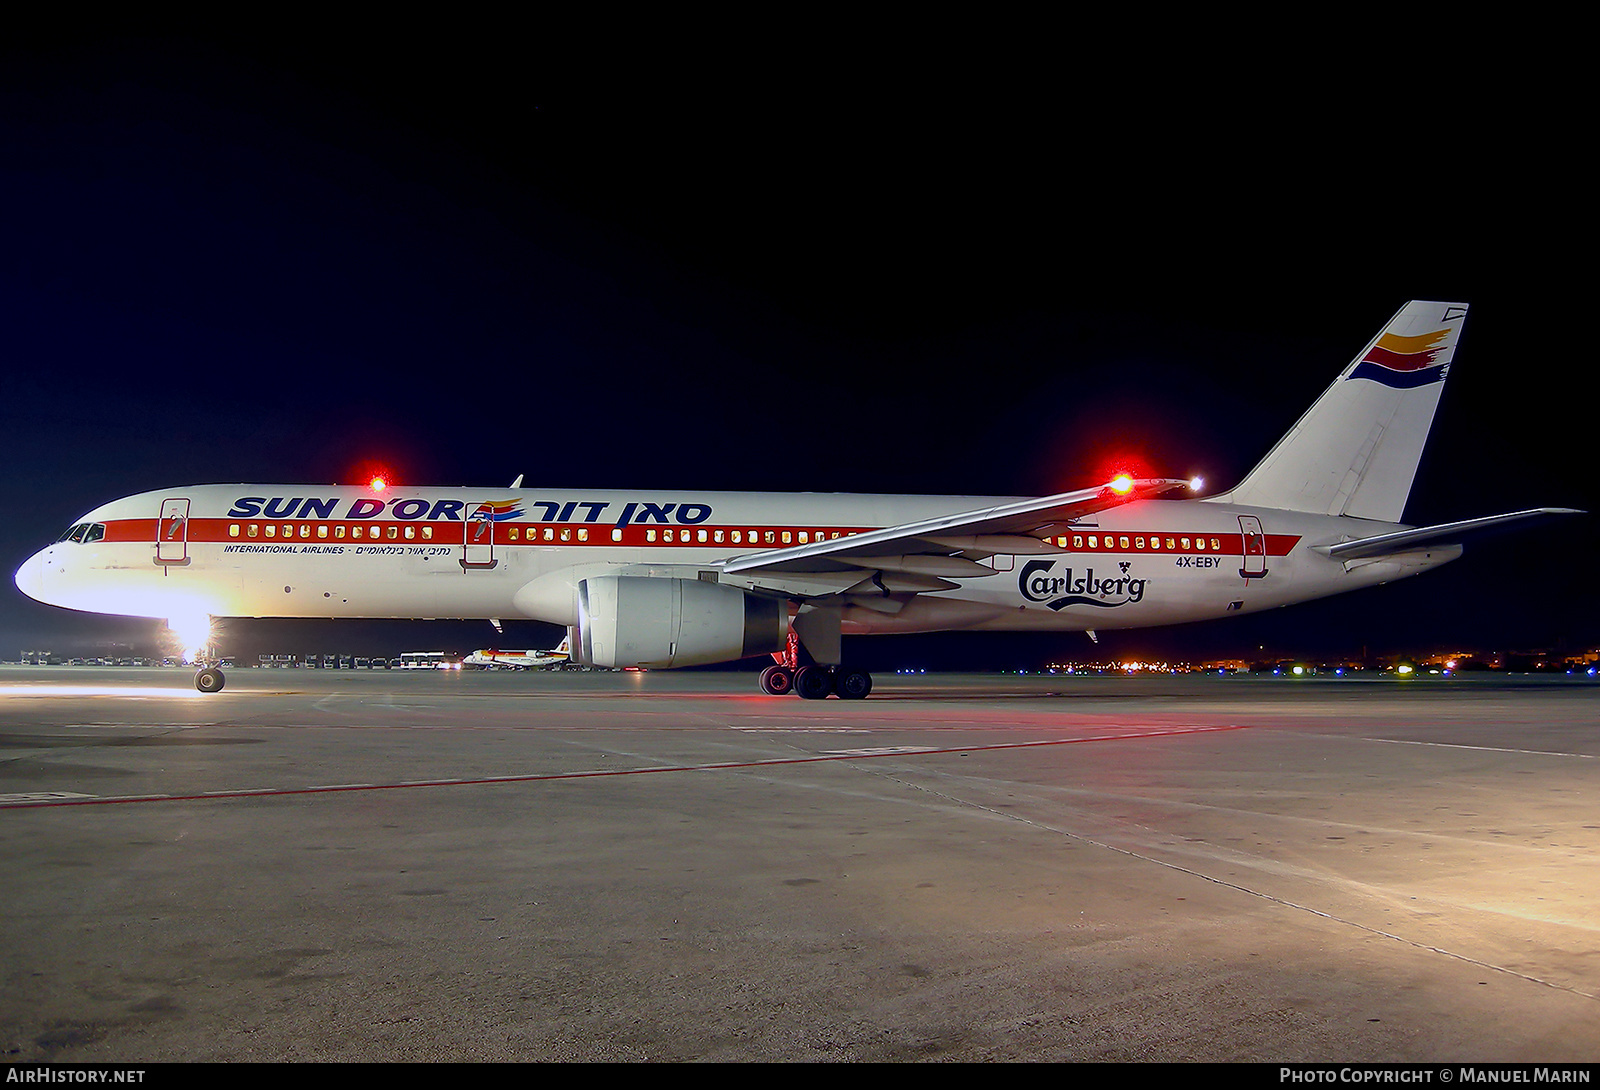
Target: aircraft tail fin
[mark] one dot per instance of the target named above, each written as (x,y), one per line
(1355,451)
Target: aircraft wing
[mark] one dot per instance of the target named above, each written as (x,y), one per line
(919,556)
(1444,533)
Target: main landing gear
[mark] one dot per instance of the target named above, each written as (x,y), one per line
(813,682)
(209,679)
(816,682)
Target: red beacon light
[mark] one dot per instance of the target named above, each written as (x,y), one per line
(378,483)
(1121,484)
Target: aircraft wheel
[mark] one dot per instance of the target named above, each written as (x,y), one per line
(776,681)
(209,680)
(814,682)
(852,684)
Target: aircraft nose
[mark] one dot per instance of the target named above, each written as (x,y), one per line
(30,577)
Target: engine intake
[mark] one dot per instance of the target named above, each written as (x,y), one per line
(629,620)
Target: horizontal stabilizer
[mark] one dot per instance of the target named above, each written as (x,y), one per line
(1445,532)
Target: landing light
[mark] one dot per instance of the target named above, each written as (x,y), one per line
(1196,483)
(193,634)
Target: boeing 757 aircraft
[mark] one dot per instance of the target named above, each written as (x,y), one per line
(662,579)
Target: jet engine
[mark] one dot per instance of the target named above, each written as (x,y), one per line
(628,620)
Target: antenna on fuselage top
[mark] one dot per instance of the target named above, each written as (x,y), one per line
(518,482)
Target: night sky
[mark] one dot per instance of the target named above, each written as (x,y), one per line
(267,259)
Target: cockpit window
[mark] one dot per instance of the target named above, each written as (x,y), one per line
(84,532)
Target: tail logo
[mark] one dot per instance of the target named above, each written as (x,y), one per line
(1404,363)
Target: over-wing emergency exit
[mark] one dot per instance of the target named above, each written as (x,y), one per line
(663,579)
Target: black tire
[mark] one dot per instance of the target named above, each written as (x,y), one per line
(813,682)
(852,684)
(210,680)
(777,681)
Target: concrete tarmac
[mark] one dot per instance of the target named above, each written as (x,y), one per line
(320,865)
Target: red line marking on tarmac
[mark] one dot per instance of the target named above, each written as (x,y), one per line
(867,754)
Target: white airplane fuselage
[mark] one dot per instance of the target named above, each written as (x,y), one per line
(340,551)
(661,579)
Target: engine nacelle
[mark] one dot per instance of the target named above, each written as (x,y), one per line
(631,620)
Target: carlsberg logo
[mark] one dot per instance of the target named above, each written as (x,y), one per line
(1088,589)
